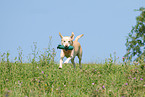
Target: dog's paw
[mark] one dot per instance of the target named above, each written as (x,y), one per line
(65,62)
(80,67)
(60,67)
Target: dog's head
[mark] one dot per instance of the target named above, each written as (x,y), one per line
(67,40)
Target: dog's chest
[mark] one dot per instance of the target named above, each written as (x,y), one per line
(67,53)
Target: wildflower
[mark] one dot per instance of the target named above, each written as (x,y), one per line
(8,91)
(93,83)
(37,67)
(123,59)
(141,78)
(126,83)
(7,80)
(64,85)
(135,78)
(42,71)
(103,86)
(135,68)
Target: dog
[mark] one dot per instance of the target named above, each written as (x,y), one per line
(70,54)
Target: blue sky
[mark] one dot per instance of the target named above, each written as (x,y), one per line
(104,23)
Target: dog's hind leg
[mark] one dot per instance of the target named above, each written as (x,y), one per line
(72,61)
(80,58)
(80,64)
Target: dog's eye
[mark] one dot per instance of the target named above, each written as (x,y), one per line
(63,41)
(69,41)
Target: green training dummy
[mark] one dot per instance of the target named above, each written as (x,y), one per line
(66,48)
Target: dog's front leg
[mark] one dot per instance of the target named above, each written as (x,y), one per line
(69,58)
(61,59)
(72,60)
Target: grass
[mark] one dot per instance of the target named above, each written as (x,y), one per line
(43,78)
(21,79)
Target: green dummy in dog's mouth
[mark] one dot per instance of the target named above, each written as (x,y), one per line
(66,48)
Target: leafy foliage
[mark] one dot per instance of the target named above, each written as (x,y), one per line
(136,39)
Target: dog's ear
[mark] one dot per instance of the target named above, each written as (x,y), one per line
(60,35)
(72,36)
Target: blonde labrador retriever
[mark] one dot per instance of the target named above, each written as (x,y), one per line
(70,54)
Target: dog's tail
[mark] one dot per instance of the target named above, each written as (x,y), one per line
(79,37)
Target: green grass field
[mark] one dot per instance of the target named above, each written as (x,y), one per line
(43,78)
(97,80)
